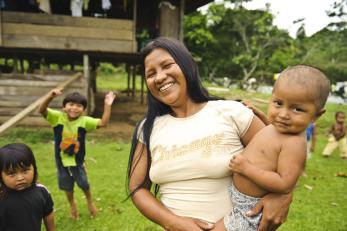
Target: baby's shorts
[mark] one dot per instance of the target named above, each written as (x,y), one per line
(237,219)
(68,175)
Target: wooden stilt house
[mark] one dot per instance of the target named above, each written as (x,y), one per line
(112,35)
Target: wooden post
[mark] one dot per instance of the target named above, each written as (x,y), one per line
(133,70)
(134,26)
(0,27)
(86,74)
(128,80)
(26,111)
(142,86)
(169,20)
(181,32)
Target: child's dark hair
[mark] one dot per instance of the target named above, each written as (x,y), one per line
(13,156)
(75,97)
(339,113)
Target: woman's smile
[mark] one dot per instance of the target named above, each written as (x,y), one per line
(166,86)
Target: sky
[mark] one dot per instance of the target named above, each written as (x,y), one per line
(287,11)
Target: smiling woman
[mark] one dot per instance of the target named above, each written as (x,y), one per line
(165,79)
(184,145)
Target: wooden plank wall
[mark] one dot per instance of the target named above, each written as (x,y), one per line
(18,91)
(42,31)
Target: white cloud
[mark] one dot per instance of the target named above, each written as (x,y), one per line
(287,11)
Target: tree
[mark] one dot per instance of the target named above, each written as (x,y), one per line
(237,43)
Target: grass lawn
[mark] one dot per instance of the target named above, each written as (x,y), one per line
(320,201)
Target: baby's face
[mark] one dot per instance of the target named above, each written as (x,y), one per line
(291,109)
(19,178)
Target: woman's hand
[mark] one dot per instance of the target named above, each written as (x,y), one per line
(275,209)
(189,224)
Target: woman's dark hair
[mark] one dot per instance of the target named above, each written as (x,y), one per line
(155,108)
(75,97)
(13,156)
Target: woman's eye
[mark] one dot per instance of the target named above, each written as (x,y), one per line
(150,75)
(168,65)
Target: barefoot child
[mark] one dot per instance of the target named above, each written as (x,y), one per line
(70,128)
(23,202)
(275,158)
(337,136)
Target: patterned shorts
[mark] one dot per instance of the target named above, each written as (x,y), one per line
(237,219)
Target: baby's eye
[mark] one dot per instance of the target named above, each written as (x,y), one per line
(10,174)
(277,103)
(296,109)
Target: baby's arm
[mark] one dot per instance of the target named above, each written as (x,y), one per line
(52,94)
(290,164)
(109,98)
(49,222)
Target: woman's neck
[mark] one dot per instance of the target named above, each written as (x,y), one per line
(188,109)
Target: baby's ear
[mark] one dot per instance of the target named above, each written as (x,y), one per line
(320,113)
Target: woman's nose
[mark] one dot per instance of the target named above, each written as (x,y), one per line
(160,77)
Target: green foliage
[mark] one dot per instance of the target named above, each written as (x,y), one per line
(320,51)
(238,43)
(110,69)
(234,42)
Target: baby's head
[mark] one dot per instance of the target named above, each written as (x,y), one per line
(74,105)
(298,98)
(17,167)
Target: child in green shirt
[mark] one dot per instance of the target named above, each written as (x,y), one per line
(70,128)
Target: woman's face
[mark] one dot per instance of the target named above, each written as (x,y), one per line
(165,79)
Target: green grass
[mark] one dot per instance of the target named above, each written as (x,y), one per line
(320,209)
(117,82)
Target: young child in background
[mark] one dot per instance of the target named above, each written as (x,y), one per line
(23,202)
(337,136)
(70,128)
(275,158)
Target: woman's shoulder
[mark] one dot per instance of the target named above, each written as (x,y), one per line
(229,105)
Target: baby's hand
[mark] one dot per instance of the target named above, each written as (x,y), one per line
(109,98)
(238,163)
(56,92)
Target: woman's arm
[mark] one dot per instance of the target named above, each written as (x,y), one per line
(149,206)
(255,126)
(275,208)
(49,222)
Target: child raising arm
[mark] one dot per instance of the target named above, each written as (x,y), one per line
(70,128)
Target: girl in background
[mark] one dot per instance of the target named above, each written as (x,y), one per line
(23,202)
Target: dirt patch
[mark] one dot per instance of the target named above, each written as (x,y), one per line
(126,112)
